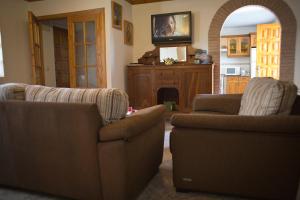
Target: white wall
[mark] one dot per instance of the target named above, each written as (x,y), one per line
(238,30)
(118,55)
(203,12)
(122,54)
(49,57)
(16,51)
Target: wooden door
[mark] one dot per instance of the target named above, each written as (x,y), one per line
(87,49)
(268,50)
(61,53)
(35,39)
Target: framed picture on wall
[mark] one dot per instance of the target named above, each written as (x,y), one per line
(116,12)
(128,33)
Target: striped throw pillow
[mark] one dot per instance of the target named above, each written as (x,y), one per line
(112,103)
(12,91)
(262,96)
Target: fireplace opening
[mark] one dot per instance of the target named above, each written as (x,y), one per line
(169,97)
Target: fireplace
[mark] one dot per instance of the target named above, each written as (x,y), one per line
(168,97)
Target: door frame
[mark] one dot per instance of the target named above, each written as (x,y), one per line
(32,19)
(101,49)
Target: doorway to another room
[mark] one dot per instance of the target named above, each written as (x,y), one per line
(56,52)
(250,42)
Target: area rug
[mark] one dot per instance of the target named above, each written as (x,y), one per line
(159,188)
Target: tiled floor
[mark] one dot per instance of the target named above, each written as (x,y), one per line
(167,134)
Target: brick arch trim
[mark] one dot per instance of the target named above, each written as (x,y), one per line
(288,34)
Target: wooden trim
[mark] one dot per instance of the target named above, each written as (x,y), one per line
(230,36)
(31,21)
(101,50)
(134,2)
(31,41)
(66,15)
(41,55)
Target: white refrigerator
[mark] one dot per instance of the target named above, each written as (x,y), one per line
(253,62)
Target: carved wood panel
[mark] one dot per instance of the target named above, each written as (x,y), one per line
(145,81)
(140,88)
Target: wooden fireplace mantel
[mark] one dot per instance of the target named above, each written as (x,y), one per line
(144,81)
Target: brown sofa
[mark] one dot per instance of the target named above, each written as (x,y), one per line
(63,149)
(215,150)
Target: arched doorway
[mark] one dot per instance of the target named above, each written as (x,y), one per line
(250,47)
(288,34)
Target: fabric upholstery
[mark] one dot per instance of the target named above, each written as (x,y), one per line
(289,96)
(227,104)
(132,125)
(12,91)
(261,124)
(262,97)
(242,163)
(112,103)
(249,156)
(50,147)
(54,148)
(129,165)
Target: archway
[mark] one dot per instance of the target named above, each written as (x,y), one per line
(288,34)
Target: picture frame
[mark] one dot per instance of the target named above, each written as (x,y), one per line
(128,33)
(116,14)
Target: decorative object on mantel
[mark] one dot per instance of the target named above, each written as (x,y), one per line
(169,61)
(201,57)
(152,57)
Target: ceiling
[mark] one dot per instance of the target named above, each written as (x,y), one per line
(144,1)
(250,16)
(130,1)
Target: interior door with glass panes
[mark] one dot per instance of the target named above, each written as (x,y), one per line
(87,49)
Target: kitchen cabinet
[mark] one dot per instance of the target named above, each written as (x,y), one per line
(253,40)
(236,84)
(238,46)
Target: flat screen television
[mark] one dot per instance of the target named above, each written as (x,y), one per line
(172,28)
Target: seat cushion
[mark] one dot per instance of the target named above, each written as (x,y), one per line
(12,91)
(112,103)
(262,96)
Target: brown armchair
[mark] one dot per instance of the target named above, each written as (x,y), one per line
(222,152)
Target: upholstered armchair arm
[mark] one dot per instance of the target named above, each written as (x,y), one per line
(222,103)
(264,124)
(133,125)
